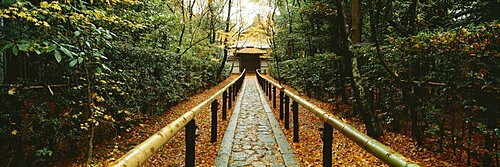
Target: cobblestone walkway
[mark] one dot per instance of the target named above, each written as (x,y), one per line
(253,137)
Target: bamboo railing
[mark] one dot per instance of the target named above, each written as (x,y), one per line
(379,150)
(142,152)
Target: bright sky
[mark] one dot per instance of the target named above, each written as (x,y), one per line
(241,10)
(248,10)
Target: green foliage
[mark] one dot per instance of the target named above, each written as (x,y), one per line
(306,29)
(77,67)
(315,75)
(442,56)
(454,68)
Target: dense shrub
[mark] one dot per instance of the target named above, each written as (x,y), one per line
(139,82)
(73,70)
(316,76)
(452,80)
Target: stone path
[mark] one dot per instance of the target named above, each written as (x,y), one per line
(253,136)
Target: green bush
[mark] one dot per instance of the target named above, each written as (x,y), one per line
(76,68)
(452,78)
(316,76)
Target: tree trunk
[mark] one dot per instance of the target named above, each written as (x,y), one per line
(373,129)
(408,99)
(91,116)
(490,101)
(290,31)
(356,21)
(212,22)
(14,105)
(416,101)
(416,129)
(224,59)
(178,50)
(277,58)
(412,17)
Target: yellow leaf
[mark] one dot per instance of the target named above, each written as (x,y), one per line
(12,91)
(111,159)
(44,4)
(91,2)
(14,132)
(99,99)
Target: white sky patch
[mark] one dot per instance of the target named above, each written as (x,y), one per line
(243,12)
(252,9)
(247,10)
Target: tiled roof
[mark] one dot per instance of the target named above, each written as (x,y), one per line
(251,51)
(250,44)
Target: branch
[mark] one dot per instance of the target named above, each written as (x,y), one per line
(190,46)
(397,26)
(170,8)
(430,83)
(377,43)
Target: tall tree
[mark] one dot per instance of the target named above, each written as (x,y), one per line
(412,17)
(223,63)
(373,130)
(408,98)
(290,47)
(356,21)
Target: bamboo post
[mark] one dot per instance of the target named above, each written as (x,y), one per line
(259,80)
(190,143)
(265,88)
(224,105)
(213,136)
(240,82)
(234,92)
(327,144)
(274,97)
(287,112)
(295,111)
(236,88)
(282,94)
(270,92)
(230,100)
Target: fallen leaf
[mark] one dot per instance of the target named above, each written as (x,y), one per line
(12,91)
(14,132)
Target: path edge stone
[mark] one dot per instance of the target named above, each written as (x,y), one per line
(284,147)
(226,145)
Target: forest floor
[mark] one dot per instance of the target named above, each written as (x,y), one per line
(173,153)
(345,152)
(308,151)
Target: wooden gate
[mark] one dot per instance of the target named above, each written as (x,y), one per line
(250,62)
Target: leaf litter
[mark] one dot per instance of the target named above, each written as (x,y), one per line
(344,151)
(173,153)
